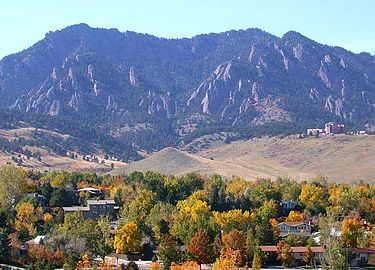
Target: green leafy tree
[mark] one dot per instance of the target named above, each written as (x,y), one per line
(335,256)
(59,198)
(13,182)
(140,207)
(169,249)
(193,215)
(131,266)
(264,191)
(257,261)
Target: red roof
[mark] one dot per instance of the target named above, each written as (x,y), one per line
(364,250)
(304,249)
(294,249)
(268,248)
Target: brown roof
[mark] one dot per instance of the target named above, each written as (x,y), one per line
(294,249)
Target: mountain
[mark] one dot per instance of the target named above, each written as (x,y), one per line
(144,92)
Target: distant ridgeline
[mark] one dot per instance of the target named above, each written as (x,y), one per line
(126,91)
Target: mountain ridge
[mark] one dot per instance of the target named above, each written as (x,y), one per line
(244,81)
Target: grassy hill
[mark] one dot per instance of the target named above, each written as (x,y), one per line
(341,158)
(50,160)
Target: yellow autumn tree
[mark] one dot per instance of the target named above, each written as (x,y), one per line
(313,197)
(193,215)
(350,231)
(185,266)
(128,238)
(275,227)
(224,263)
(295,216)
(233,219)
(26,217)
(237,187)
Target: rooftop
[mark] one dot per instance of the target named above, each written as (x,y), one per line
(294,249)
(100,202)
(293,223)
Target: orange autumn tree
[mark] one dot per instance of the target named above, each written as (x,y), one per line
(200,247)
(224,263)
(234,247)
(185,266)
(284,253)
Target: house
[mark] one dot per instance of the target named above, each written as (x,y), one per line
(113,226)
(301,228)
(288,205)
(115,259)
(40,199)
(297,253)
(361,256)
(95,209)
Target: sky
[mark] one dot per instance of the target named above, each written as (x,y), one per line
(346,23)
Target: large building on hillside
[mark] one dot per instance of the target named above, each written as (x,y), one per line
(329,129)
(95,209)
(334,128)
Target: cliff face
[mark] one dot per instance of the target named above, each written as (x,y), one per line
(237,77)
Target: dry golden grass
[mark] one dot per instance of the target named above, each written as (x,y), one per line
(51,161)
(341,158)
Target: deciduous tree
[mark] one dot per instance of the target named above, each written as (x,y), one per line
(200,247)
(233,219)
(284,253)
(128,239)
(193,216)
(234,246)
(294,216)
(12,184)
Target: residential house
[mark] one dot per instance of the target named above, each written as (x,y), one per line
(115,259)
(361,256)
(95,209)
(301,228)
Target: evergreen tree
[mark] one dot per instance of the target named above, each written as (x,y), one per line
(4,247)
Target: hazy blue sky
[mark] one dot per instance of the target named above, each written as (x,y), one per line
(347,23)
